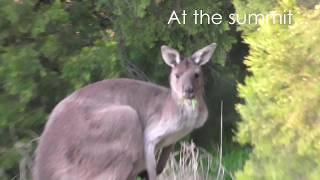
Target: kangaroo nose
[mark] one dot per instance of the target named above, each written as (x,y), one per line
(189,92)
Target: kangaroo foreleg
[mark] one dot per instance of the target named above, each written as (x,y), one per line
(150,159)
(164,156)
(165,153)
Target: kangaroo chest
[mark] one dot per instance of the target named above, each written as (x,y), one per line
(183,125)
(169,131)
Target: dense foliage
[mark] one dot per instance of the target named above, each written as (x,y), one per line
(50,48)
(282,96)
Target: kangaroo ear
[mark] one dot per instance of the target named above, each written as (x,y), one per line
(202,56)
(170,56)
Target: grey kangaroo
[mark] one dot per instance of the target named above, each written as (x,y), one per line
(112,129)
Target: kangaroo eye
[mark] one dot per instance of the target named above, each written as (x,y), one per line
(177,76)
(196,75)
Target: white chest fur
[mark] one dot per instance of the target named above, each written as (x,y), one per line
(169,131)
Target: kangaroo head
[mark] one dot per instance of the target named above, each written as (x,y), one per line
(186,79)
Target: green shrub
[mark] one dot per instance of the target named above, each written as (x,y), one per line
(282,98)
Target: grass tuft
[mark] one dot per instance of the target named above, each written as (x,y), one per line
(189,163)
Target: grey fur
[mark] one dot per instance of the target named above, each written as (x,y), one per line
(110,130)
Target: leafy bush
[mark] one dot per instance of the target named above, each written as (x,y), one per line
(282,98)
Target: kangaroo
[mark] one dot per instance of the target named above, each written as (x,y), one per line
(112,129)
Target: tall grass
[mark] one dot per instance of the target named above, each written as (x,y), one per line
(189,163)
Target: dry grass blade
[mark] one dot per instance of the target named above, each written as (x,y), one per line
(189,163)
